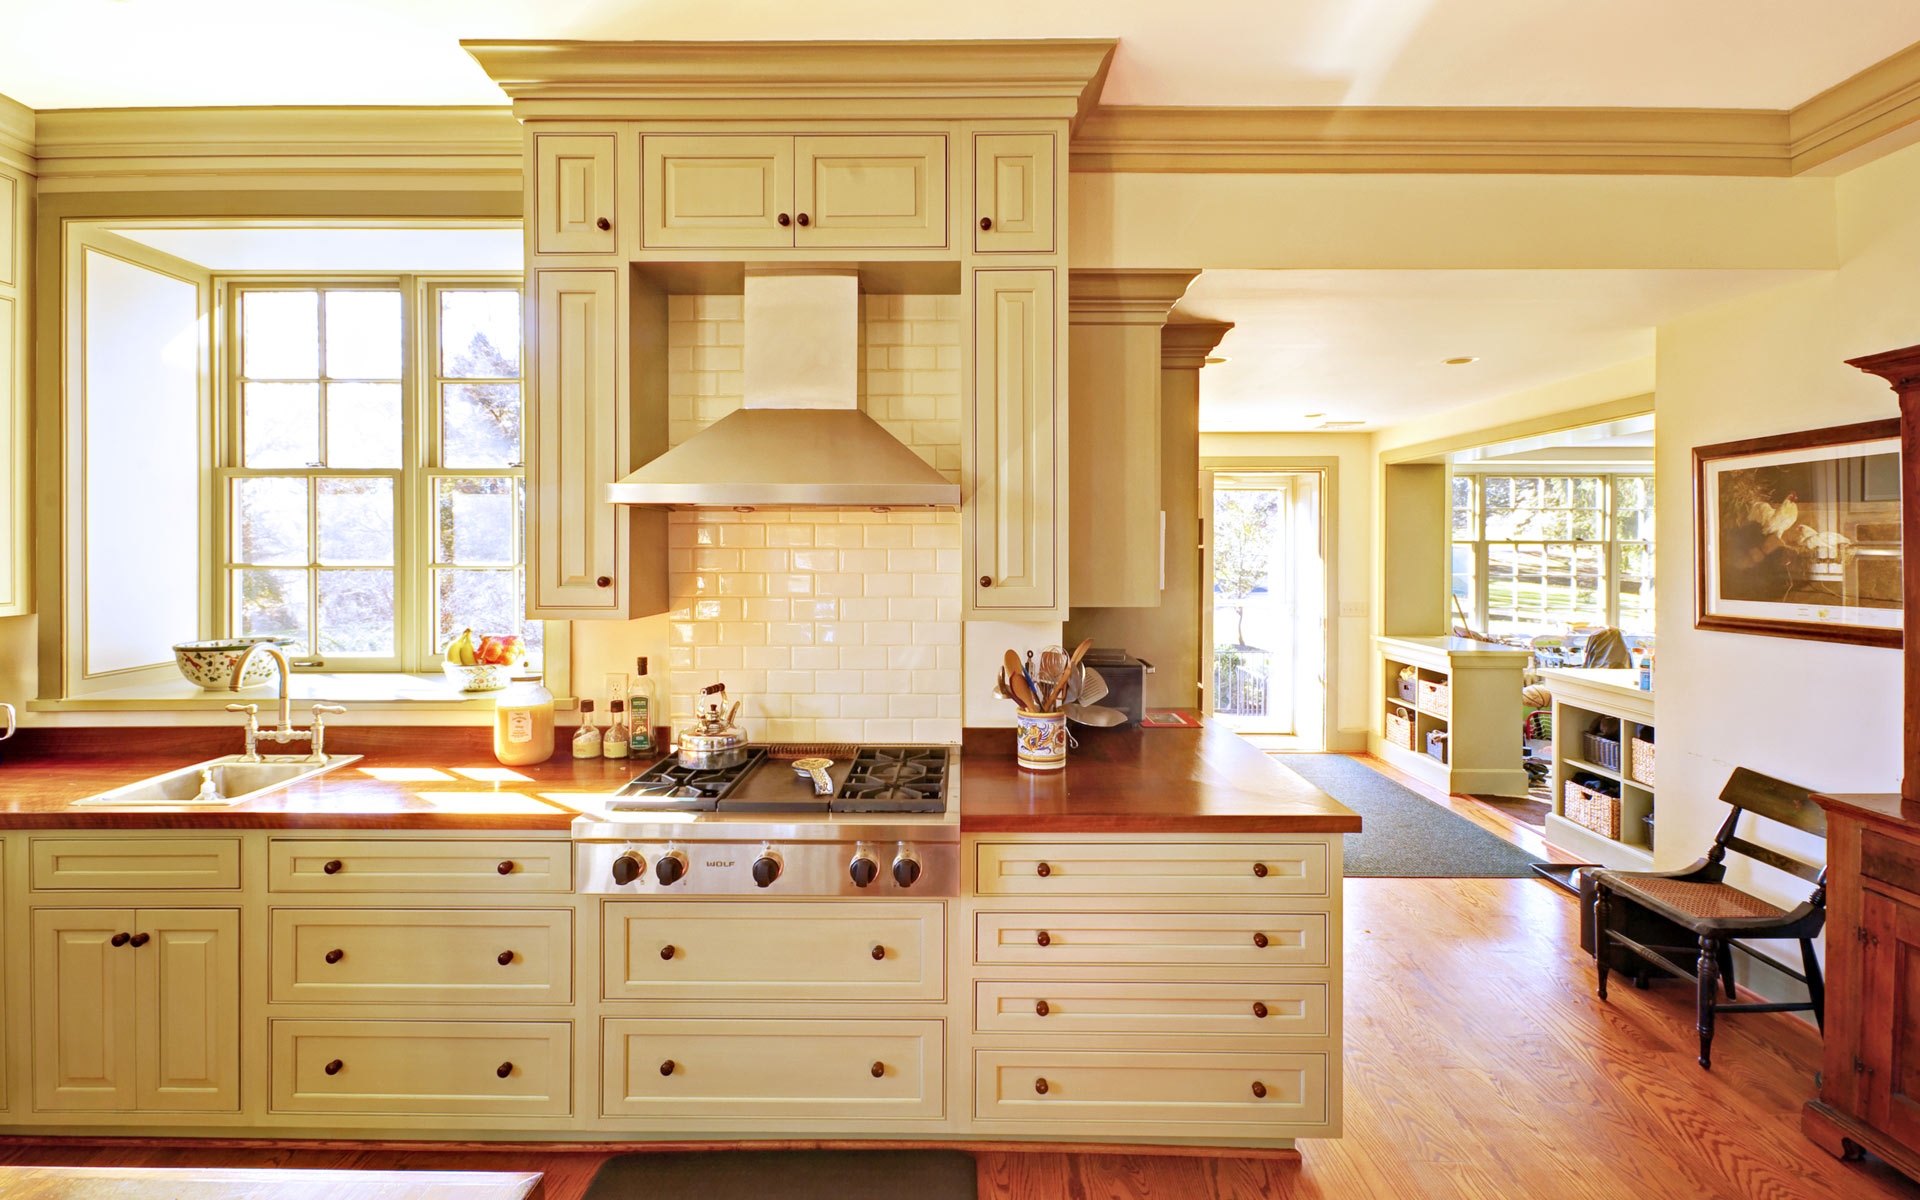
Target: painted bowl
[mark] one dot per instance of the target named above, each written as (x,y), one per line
(209,665)
(484,677)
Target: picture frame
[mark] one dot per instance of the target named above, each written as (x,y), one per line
(1798,535)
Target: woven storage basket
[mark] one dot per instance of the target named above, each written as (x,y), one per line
(1435,698)
(1598,812)
(1602,752)
(1399,730)
(1642,762)
(1404,689)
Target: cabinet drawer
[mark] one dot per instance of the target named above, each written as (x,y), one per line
(135,864)
(1112,1087)
(1151,939)
(1220,1009)
(1890,860)
(371,865)
(801,1069)
(383,956)
(451,1068)
(1151,869)
(666,949)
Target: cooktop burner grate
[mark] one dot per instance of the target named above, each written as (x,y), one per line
(895,779)
(667,785)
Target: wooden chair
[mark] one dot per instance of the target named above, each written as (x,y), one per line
(1716,913)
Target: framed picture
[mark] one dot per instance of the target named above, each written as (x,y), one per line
(1799,535)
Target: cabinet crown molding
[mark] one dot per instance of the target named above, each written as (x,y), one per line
(1056,77)
(1125,297)
(1185,345)
(16,133)
(1900,368)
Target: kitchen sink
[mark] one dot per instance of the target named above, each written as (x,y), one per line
(217,783)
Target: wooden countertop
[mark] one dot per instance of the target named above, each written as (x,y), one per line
(1205,780)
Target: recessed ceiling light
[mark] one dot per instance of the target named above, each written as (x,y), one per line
(1462,361)
(1314,416)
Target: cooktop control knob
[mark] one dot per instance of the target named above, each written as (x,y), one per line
(766,868)
(864,868)
(906,867)
(627,867)
(671,868)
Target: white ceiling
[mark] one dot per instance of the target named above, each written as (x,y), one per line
(1369,345)
(1659,53)
(339,249)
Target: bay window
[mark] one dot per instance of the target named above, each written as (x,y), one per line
(1538,554)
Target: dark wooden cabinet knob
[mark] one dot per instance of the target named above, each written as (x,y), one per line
(1259,1009)
(1259,1090)
(1042,938)
(603,224)
(138,940)
(333,1068)
(1043,870)
(986,223)
(331,866)
(503,1070)
(505,868)
(335,955)
(506,958)
(667,952)
(1040,1086)
(986,581)
(666,1068)
(878,1069)
(879,952)
(1260,940)
(1041,1008)
(604,581)
(1259,870)
(784,220)
(802,219)
(120,939)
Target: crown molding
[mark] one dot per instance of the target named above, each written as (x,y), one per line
(1184,345)
(1124,297)
(1856,111)
(16,134)
(107,149)
(1058,77)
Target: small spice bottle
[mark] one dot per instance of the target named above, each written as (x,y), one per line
(586,739)
(614,743)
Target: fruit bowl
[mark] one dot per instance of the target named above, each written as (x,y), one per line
(209,665)
(482,677)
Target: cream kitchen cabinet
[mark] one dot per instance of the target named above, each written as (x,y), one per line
(769,191)
(1013,454)
(1013,193)
(136,1009)
(16,243)
(575,193)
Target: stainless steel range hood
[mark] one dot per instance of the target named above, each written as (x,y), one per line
(800,437)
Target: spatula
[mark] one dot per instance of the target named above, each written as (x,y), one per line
(1017,684)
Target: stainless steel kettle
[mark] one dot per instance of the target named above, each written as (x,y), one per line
(715,742)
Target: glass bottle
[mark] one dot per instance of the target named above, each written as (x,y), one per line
(642,707)
(614,744)
(586,739)
(523,723)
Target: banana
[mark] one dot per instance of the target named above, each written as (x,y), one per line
(460,650)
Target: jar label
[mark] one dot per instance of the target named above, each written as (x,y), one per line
(519,727)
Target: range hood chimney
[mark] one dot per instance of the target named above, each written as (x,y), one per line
(800,437)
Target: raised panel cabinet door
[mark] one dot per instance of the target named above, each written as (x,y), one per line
(11,232)
(188,1004)
(716,191)
(574,200)
(572,531)
(83,1009)
(1013,193)
(1890,1015)
(871,190)
(1012,506)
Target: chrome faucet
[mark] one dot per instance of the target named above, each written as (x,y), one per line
(284,732)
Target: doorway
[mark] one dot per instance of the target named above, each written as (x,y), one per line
(1264,620)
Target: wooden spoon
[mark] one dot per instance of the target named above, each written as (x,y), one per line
(1017,684)
(1059,691)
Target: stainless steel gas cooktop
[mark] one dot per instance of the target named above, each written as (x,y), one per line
(862,779)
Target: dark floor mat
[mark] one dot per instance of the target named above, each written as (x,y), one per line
(788,1175)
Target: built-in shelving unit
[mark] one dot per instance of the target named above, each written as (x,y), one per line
(1581,699)
(1469,692)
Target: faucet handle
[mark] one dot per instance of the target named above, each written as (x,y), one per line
(252,710)
(328,708)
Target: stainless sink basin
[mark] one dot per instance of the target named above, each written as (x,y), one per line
(217,783)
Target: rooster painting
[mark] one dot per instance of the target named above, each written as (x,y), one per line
(1779,535)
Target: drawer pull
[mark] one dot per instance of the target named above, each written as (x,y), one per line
(334,956)
(333,1068)
(1041,1008)
(878,1069)
(120,939)
(506,958)
(879,952)
(1260,940)
(331,866)
(1259,1090)
(1040,1085)
(667,952)
(1042,938)
(1043,870)
(1259,870)
(1259,1010)
(505,868)
(138,940)
(667,1067)
(503,1070)
(603,224)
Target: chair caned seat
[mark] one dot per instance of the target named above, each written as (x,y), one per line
(1702,901)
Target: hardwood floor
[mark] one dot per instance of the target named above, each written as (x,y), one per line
(1479,1065)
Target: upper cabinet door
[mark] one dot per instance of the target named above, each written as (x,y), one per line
(572,530)
(1013,508)
(716,191)
(871,190)
(574,202)
(1013,193)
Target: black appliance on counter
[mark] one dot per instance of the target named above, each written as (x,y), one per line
(1126,678)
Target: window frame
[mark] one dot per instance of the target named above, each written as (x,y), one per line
(415,480)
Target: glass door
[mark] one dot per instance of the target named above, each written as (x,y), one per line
(1265,613)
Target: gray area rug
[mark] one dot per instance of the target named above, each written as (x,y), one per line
(787,1175)
(1405,835)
